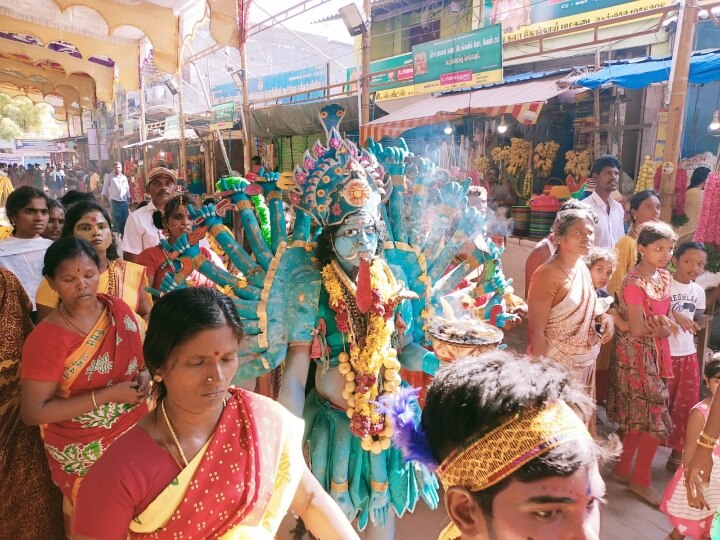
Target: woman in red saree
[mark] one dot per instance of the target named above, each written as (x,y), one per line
(81,368)
(210,461)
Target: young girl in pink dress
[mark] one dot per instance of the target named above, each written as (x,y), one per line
(692,516)
(638,395)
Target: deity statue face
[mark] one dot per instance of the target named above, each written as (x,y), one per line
(356,238)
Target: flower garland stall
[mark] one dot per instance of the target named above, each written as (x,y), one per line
(708,227)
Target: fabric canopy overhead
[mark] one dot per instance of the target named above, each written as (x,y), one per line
(640,73)
(523,100)
(103,76)
(104,37)
(14,87)
(300,119)
(22,75)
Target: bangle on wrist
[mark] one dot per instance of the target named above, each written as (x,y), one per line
(340,488)
(702,443)
(92,395)
(378,486)
(707,438)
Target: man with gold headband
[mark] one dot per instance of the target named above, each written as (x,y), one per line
(508,439)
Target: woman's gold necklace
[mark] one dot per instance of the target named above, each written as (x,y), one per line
(64,317)
(172,432)
(174,436)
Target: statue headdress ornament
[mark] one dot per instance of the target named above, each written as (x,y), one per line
(336,185)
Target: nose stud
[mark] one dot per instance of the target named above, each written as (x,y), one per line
(209,379)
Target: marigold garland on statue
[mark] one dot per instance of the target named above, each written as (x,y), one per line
(371,368)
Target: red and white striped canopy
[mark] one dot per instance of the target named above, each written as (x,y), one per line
(524,101)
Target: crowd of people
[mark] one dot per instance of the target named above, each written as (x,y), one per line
(55,180)
(144,436)
(649,375)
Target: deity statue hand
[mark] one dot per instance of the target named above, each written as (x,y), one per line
(236,186)
(184,248)
(394,158)
(272,177)
(416,358)
(428,485)
(206,212)
(172,281)
(379,506)
(379,490)
(376,148)
(342,498)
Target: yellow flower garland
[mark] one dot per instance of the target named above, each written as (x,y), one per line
(377,354)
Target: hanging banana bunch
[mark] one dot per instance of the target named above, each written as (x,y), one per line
(578,164)
(500,155)
(518,157)
(544,158)
(645,175)
(482,164)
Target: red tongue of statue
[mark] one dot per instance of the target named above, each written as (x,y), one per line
(363,298)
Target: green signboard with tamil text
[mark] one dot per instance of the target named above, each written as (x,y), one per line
(223,116)
(395,82)
(462,61)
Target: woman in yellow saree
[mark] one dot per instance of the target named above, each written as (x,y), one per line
(81,368)
(210,461)
(121,279)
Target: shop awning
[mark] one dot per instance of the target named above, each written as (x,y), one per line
(301,118)
(523,100)
(640,73)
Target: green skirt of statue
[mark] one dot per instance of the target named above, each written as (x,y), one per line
(335,455)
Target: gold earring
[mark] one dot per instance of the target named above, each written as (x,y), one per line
(157,378)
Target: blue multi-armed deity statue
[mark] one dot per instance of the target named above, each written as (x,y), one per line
(351,290)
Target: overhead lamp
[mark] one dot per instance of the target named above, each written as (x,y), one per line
(448,130)
(354,19)
(171,86)
(502,128)
(238,77)
(715,123)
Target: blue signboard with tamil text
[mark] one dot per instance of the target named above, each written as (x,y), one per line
(271,87)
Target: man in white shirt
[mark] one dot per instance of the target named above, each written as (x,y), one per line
(611,215)
(116,189)
(140,233)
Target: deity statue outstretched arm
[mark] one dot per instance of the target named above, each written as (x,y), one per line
(239,257)
(292,388)
(186,251)
(414,357)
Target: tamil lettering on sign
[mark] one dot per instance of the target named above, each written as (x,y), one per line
(394,77)
(523,19)
(36,145)
(222,116)
(273,87)
(224,92)
(466,60)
